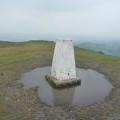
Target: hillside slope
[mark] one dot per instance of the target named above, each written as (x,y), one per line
(21,57)
(111,48)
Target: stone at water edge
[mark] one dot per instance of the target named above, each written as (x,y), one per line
(64,83)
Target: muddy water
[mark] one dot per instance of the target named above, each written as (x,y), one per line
(93,89)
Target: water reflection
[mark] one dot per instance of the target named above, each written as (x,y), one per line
(63,96)
(94,88)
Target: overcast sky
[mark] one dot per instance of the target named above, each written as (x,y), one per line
(97,18)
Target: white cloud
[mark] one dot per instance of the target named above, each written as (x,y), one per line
(88,18)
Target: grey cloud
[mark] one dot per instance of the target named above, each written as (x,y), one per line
(84,17)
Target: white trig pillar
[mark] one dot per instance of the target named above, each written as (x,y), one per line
(63,71)
(63,65)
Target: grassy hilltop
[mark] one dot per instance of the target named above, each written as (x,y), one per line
(15,104)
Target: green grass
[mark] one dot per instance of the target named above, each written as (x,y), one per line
(17,58)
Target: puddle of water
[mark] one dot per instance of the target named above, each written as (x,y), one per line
(93,89)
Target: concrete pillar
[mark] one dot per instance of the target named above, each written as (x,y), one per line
(63,65)
(63,71)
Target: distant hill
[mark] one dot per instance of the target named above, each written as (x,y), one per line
(111,48)
(9,43)
(6,43)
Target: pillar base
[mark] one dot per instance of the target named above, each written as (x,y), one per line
(62,83)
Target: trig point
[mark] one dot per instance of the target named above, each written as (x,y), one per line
(63,71)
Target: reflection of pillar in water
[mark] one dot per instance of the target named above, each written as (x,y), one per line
(63,96)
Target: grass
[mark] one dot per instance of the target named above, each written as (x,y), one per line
(17,58)
(109,65)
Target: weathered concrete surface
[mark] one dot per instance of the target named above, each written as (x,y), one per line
(63,71)
(62,83)
(63,65)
